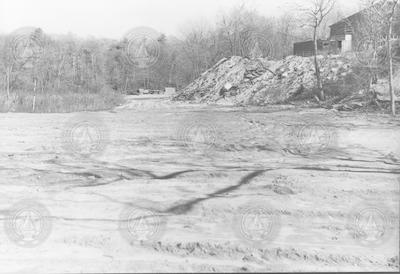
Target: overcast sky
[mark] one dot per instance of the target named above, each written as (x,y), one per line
(113,18)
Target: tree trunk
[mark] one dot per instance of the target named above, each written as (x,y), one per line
(8,79)
(126,84)
(34,95)
(170,73)
(317,72)
(59,72)
(389,48)
(391,90)
(8,83)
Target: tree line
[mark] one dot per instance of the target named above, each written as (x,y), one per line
(68,63)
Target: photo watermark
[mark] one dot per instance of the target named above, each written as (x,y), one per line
(28,223)
(256,223)
(85,135)
(27,45)
(138,225)
(371,224)
(142,47)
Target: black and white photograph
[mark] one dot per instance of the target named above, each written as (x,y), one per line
(161,136)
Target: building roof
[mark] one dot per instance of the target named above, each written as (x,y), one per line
(310,41)
(349,18)
(377,5)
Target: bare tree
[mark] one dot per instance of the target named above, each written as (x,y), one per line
(315,15)
(391,13)
(386,11)
(236,30)
(8,64)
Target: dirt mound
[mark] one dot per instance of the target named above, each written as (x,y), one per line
(238,80)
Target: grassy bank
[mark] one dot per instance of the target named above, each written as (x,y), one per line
(23,101)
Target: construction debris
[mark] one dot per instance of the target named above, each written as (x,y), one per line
(381,88)
(260,81)
(352,102)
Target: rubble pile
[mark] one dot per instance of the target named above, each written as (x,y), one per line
(260,81)
(353,102)
(381,88)
(376,96)
(225,79)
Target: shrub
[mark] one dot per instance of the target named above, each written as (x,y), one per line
(24,101)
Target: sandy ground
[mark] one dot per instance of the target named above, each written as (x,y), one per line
(155,185)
